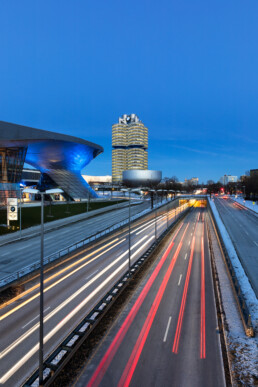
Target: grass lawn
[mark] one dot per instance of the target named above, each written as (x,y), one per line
(31,215)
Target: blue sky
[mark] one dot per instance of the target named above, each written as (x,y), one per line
(188,69)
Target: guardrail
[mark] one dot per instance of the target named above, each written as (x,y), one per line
(243,308)
(54,364)
(12,278)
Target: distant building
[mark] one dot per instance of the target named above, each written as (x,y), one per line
(228,179)
(243,178)
(141,178)
(98,180)
(193,181)
(130,146)
(253,172)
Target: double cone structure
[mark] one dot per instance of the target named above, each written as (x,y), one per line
(60,159)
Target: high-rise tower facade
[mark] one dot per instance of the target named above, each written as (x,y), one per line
(130,146)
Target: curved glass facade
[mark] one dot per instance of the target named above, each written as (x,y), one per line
(59,158)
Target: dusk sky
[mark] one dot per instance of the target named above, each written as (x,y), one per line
(188,69)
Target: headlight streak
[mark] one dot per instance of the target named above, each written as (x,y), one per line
(9,373)
(60,280)
(57,274)
(72,313)
(184,297)
(137,350)
(111,351)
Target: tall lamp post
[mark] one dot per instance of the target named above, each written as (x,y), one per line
(153,190)
(21,188)
(167,205)
(41,302)
(129,225)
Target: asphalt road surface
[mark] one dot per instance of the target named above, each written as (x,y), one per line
(242,226)
(71,290)
(167,335)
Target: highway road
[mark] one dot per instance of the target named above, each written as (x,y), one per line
(242,226)
(15,256)
(167,335)
(72,288)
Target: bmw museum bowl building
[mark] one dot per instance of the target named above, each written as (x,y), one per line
(60,159)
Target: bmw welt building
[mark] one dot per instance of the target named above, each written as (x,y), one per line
(60,159)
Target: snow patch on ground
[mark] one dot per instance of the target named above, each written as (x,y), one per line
(246,288)
(245,354)
(243,350)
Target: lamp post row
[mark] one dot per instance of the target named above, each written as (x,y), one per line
(41,302)
(41,314)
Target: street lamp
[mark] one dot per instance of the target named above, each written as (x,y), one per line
(129,225)
(167,205)
(41,302)
(153,190)
(21,188)
(161,190)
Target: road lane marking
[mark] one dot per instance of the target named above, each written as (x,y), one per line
(246,232)
(70,315)
(185,255)
(92,274)
(28,323)
(166,333)
(64,303)
(179,280)
(189,243)
(24,247)
(256,243)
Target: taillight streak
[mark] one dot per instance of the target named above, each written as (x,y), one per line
(183,302)
(110,353)
(135,355)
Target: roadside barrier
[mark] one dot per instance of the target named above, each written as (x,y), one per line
(243,308)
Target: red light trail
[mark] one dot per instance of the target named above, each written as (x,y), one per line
(110,353)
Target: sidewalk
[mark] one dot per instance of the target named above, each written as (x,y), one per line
(55,224)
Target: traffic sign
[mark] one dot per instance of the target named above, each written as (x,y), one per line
(12,209)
